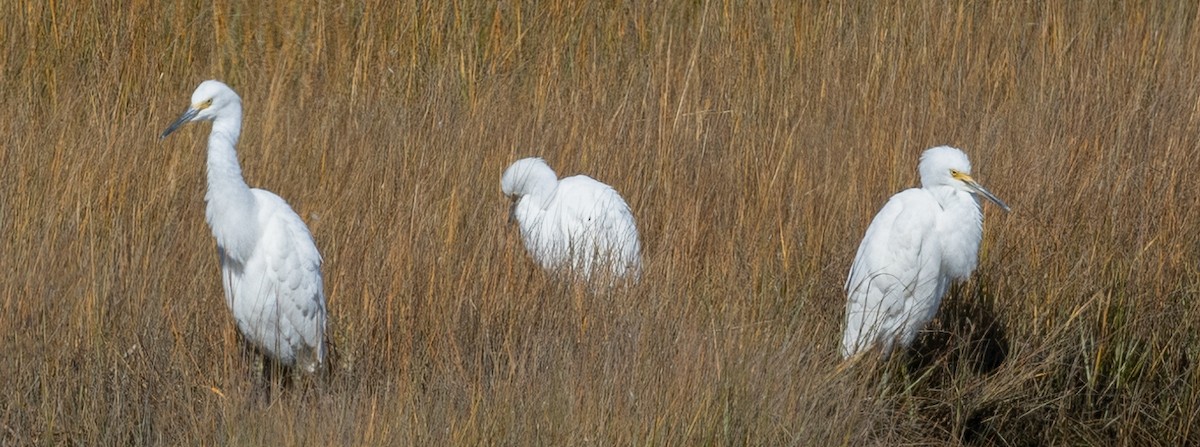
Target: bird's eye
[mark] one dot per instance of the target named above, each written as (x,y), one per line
(207,103)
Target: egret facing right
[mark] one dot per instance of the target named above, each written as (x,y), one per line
(920,241)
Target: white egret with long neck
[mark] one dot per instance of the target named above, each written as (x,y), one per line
(270,267)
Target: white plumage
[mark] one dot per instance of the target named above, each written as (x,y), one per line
(920,241)
(270,266)
(576,223)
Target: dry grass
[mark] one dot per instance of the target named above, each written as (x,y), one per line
(754,143)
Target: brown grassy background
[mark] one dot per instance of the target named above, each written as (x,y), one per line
(754,143)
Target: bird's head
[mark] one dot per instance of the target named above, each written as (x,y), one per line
(209,101)
(528,177)
(947,166)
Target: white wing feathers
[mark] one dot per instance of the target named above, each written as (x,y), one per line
(279,299)
(595,216)
(888,299)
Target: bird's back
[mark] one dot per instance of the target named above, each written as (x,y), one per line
(594,213)
(893,287)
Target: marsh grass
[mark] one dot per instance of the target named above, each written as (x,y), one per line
(753,142)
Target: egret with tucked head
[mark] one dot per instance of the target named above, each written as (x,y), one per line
(270,267)
(920,241)
(576,224)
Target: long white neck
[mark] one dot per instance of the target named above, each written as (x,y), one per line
(961,225)
(231,210)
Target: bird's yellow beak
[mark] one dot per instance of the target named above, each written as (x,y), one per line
(979,189)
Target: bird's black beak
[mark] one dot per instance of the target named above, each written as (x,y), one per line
(512,211)
(979,189)
(187,116)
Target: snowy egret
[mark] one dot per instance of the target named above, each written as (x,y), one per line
(270,266)
(576,223)
(920,241)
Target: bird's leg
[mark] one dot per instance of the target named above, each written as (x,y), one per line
(277,377)
(263,376)
(256,364)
